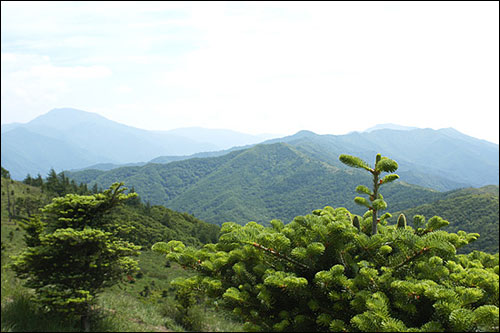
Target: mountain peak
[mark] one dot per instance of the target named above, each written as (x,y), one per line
(65,117)
(70,112)
(305,132)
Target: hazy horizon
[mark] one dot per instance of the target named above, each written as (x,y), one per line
(272,67)
(265,136)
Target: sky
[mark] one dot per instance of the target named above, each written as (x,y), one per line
(256,67)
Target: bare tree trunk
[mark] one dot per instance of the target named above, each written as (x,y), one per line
(9,201)
(85,323)
(375,195)
(85,320)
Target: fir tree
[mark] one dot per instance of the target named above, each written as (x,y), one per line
(28,180)
(73,252)
(38,181)
(377,203)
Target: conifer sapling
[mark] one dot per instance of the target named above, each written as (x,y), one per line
(377,203)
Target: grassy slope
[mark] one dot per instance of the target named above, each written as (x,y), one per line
(19,190)
(121,308)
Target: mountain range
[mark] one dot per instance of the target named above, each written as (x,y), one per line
(276,178)
(442,159)
(282,180)
(68,138)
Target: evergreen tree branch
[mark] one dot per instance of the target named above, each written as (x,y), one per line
(279,255)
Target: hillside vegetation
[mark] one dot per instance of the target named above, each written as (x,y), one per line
(144,302)
(471,210)
(255,184)
(335,271)
(18,199)
(150,223)
(276,276)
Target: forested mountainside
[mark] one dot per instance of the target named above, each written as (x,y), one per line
(256,184)
(19,199)
(470,209)
(440,159)
(281,181)
(262,183)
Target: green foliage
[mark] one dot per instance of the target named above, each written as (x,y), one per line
(162,224)
(20,314)
(320,272)
(139,224)
(377,203)
(354,162)
(5,173)
(331,270)
(471,210)
(73,251)
(20,201)
(121,307)
(57,184)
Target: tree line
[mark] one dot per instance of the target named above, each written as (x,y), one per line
(59,184)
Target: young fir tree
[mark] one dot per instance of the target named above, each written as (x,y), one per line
(73,252)
(377,203)
(328,272)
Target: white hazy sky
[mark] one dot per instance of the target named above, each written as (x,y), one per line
(256,67)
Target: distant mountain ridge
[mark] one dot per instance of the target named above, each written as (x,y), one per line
(445,157)
(222,138)
(102,140)
(442,159)
(70,139)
